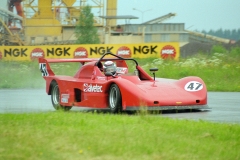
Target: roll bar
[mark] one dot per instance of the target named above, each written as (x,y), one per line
(120,58)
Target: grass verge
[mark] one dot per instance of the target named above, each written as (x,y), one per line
(74,135)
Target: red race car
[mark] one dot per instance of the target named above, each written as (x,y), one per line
(106,83)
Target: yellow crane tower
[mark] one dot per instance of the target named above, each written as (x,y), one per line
(54,20)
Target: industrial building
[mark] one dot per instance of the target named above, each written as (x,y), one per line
(42,22)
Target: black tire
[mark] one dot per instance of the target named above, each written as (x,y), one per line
(55,97)
(115,99)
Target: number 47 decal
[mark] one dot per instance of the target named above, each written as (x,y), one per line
(193,86)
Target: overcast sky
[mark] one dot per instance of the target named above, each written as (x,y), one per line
(196,14)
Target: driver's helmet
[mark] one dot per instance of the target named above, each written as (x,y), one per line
(109,66)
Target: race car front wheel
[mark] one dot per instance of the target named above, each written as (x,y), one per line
(115,99)
(55,96)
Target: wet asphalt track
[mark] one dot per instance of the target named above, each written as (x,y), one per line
(225,105)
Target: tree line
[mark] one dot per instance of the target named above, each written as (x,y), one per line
(233,34)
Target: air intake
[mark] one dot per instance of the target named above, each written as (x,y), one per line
(155,102)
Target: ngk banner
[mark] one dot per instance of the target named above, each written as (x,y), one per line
(143,50)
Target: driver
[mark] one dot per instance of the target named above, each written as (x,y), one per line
(109,66)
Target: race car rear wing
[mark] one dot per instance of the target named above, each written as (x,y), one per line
(46,69)
(81,60)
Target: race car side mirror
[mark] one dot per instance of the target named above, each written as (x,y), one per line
(153,70)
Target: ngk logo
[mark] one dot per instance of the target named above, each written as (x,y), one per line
(124,52)
(91,88)
(80,53)
(37,53)
(168,52)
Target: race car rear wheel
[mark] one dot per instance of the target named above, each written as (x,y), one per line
(115,99)
(55,97)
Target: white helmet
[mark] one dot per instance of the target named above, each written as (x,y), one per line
(109,66)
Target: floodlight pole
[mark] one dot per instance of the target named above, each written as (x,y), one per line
(141,12)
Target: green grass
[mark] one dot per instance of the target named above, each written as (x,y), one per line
(20,75)
(74,135)
(28,75)
(220,71)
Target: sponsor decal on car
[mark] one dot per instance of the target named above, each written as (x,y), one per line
(101,78)
(92,87)
(121,70)
(168,51)
(193,86)
(64,98)
(124,52)
(80,52)
(43,69)
(37,53)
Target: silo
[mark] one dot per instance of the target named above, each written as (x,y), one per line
(112,11)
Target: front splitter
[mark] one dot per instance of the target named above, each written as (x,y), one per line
(162,108)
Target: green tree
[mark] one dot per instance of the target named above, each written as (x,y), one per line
(85,30)
(218,49)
